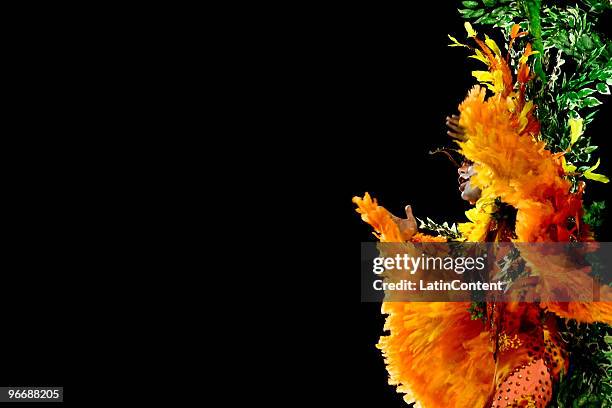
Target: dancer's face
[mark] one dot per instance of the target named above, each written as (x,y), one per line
(468,193)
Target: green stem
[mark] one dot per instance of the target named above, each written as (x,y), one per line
(532,7)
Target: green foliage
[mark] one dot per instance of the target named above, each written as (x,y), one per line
(597,6)
(589,380)
(579,61)
(450,232)
(478,310)
(594,214)
(499,13)
(574,64)
(532,11)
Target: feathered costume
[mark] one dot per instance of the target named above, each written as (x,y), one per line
(516,354)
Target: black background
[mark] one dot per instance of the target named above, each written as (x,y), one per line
(39,338)
(403,80)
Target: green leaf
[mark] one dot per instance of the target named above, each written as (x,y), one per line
(489,3)
(475,13)
(470,4)
(455,42)
(575,129)
(603,88)
(596,177)
(590,149)
(589,117)
(589,174)
(591,102)
(486,19)
(595,73)
(585,92)
(588,381)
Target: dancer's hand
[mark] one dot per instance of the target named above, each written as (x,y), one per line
(408,225)
(455,131)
